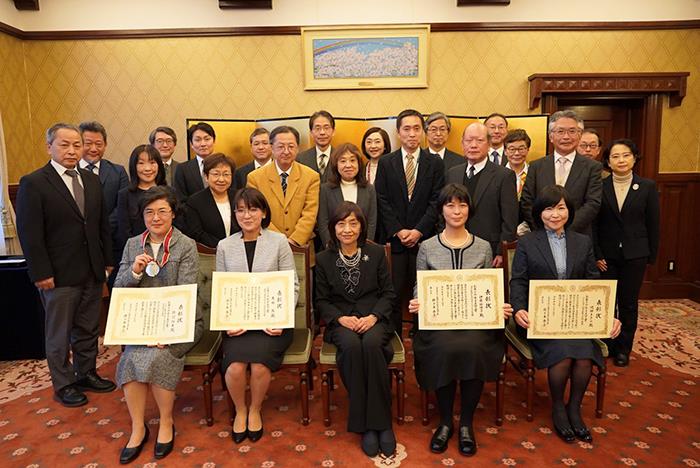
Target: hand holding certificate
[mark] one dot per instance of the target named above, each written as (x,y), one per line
(460,299)
(571,308)
(252,301)
(151,316)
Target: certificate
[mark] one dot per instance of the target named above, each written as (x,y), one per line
(571,308)
(460,299)
(150,316)
(252,301)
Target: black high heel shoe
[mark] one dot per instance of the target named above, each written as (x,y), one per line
(162,450)
(583,434)
(255,436)
(566,434)
(129,454)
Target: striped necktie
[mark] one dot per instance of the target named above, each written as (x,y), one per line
(410,175)
(284,176)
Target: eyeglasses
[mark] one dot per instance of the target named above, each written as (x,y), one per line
(325,128)
(248,211)
(569,131)
(438,130)
(588,145)
(220,175)
(519,149)
(280,147)
(165,141)
(162,213)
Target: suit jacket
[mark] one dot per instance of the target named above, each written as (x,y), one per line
(495,202)
(203,220)
(374,295)
(308,159)
(241,176)
(272,253)
(293,214)
(113,179)
(188,179)
(129,220)
(396,210)
(331,197)
(583,185)
(635,228)
(450,160)
(534,260)
(170,172)
(56,239)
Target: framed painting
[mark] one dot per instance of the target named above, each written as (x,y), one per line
(365,57)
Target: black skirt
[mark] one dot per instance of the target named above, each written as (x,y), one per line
(258,347)
(442,356)
(546,353)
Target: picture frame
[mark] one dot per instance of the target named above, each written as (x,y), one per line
(366,57)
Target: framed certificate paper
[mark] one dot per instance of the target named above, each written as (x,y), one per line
(460,299)
(252,301)
(571,308)
(150,316)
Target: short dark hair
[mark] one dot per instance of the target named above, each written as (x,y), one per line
(334,177)
(253,198)
(408,113)
(153,155)
(203,126)
(446,195)
(218,158)
(593,131)
(95,127)
(517,135)
(167,130)
(496,114)
(383,134)
(284,129)
(258,131)
(634,149)
(550,196)
(159,192)
(321,113)
(344,210)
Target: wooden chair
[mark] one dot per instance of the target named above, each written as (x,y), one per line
(298,355)
(327,365)
(205,357)
(523,361)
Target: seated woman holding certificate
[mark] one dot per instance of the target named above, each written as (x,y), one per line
(443,357)
(161,256)
(354,296)
(552,251)
(253,249)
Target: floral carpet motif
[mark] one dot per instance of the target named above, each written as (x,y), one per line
(650,418)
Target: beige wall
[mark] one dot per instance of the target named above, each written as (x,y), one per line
(134,85)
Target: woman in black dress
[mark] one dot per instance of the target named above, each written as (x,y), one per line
(354,296)
(253,249)
(553,252)
(443,357)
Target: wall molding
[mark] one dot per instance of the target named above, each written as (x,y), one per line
(295,30)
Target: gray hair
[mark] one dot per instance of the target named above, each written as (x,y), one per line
(51,132)
(167,130)
(438,116)
(564,114)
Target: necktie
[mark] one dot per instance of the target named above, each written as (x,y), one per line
(284,176)
(92,168)
(322,163)
(561,171)
(494,157)
(522,177)
(470,173)
(410,175)
(167,173)
(78,193)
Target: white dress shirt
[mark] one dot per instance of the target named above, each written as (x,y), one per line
(68,180)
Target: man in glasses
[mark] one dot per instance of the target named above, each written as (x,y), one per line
(164,140)
(437,129)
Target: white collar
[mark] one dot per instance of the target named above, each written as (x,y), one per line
(498,150)
(60,169)
(478,166)
(416,153)
(319,151)
(280,171)
(569,157)
(83,164)
(524,171)
(257,165)
(440,153)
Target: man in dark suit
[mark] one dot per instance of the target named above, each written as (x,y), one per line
(164,140)
(189,176)
(322,127)
(64,232)
(492,190)
(437,128)
(579,175)
(497,126)
(408,182)
(262,154)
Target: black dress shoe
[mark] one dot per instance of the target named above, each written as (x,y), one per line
(621,360)
(387,442)
(130,454)
(583,434)
(566,434)
(70,396)
(438,443)
(162,450)
(370,443)
(255,436)
(467,442)
(239,437)
(94,383)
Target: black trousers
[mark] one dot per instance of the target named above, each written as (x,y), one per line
(72,324)
(629,275)
(362,363)
(403,277)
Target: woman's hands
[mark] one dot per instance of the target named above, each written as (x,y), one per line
(616,329)
(602,264)
(413,306)
(236,332)
(273,331)
(159,346)
(140,263)
(269,331)
(358,324)
(507,311)
(522,318)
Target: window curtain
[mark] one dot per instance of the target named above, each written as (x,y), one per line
(9,243)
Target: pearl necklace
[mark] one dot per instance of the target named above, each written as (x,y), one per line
(353,261)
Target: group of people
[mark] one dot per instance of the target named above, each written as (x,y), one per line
(79,214)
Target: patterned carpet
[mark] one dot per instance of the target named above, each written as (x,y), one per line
(650,418)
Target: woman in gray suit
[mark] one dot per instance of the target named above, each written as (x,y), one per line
(253,249)
(161,256)
(346,182)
